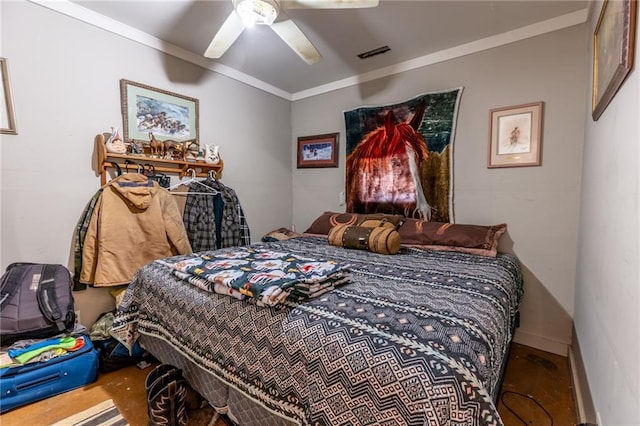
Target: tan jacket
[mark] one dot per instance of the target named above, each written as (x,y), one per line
(134,222)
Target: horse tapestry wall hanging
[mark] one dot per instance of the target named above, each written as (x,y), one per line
(400,157)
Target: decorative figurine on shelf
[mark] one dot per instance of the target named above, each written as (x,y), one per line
(211,155)
(114,144)
(156,146)
(191,150)
(137,148)
(175,150)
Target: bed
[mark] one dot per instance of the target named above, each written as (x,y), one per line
(416,338)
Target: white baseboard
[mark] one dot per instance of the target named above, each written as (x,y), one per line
(542,343)
(585,410)
(577,390)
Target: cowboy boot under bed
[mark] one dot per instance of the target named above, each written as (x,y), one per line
(166,397)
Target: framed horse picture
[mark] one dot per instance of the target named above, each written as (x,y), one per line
(318,151)
(154,114)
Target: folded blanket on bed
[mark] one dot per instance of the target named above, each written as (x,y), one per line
(269,276)
(208,285)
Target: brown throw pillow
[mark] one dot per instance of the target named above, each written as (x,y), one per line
(381,239)
(279,234)
(475,239)
(323,224)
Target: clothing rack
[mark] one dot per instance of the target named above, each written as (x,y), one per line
(107,160)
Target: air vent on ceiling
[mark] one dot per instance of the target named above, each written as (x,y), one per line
(374,52)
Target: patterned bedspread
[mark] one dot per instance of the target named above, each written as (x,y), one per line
(418,338)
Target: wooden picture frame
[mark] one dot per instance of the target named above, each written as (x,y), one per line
(7,116)
(318,151)
(515,136)
(168,115)
(613,51)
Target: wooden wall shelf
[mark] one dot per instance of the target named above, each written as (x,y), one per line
(107,160)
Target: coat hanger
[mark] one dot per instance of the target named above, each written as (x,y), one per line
(117,167)
(139,167)
(192,178)
(188,182)
(213,180)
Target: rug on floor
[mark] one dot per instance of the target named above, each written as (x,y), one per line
(103,414)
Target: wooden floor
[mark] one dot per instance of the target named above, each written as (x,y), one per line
(537,387)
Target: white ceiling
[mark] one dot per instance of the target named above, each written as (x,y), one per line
(416,31)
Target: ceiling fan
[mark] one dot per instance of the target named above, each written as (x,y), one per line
(265,12)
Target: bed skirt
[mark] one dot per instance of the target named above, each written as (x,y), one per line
(222,397)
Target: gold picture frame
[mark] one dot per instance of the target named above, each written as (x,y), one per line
(168,115)
(7,116)
(613,51)
(318,151)
(515,136)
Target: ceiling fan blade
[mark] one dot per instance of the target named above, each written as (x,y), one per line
(295,38)
(226,35)
(328,4)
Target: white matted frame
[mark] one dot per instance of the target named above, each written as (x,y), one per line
(7,116)
(515,136)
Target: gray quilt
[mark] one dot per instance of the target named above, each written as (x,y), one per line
(418,338)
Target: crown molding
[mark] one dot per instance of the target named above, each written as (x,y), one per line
(533,30)
(93,18)
(90,17)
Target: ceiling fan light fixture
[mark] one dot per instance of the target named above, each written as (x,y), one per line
(252,12)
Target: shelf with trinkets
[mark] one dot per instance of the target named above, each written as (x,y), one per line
(178,164)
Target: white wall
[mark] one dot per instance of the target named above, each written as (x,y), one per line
(539,204)
(65,78)
(607,299)
(65,81)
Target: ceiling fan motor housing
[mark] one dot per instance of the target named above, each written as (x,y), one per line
(261,12)
(250,12)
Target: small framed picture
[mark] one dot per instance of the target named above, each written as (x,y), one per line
(515,137)
(318,151)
